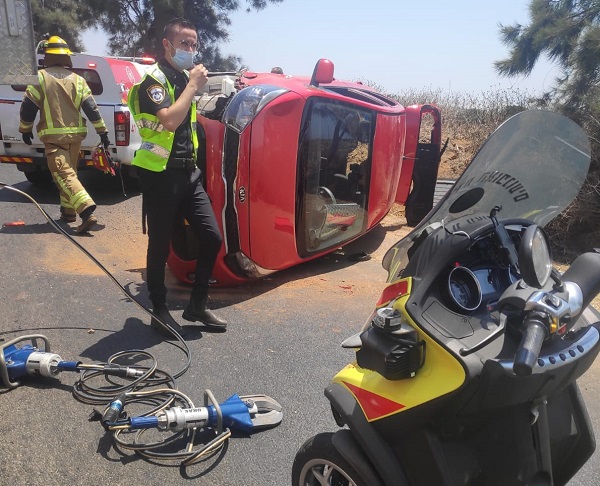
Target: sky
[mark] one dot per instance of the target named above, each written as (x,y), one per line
(400,45)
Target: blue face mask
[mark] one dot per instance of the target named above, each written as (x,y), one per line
(183,59)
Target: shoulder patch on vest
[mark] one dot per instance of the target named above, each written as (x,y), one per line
(156,93)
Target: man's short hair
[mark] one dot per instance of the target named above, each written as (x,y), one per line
(175,25)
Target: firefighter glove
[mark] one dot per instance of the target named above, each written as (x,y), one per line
(105,140)
(27,138)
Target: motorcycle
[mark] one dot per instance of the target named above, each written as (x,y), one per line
(465,373)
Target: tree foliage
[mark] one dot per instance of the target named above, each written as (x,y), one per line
(64,18)
(135,26)
(568,32)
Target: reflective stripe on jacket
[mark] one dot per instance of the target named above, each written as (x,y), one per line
(157,141)
(59,96)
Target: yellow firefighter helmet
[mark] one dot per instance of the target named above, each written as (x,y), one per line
(57,45)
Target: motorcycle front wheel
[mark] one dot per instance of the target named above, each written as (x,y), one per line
(318,463)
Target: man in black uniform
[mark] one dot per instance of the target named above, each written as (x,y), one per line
(164,108)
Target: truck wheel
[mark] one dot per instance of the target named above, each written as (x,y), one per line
(318,463)
(39,177)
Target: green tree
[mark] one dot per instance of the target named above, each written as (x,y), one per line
(60,17)
(135,26)
(568,33)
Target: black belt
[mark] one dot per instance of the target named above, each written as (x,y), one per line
(179,163)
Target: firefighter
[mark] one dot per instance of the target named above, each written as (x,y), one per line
(59,97)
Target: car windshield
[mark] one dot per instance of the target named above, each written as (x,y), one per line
(532,166)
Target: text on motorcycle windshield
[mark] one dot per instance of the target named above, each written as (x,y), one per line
(535,258)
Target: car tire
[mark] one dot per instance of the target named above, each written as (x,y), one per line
(39,177)
(319,463)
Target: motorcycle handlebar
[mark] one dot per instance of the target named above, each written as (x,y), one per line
(534,334)
(585,272)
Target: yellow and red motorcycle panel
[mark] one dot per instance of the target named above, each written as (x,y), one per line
(378,397)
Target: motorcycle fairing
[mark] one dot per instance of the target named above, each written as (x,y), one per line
(378,398)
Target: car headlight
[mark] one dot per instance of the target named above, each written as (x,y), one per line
(247,104)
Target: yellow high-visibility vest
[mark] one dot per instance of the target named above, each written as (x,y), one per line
(157,141)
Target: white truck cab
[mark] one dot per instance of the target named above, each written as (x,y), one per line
(109,79)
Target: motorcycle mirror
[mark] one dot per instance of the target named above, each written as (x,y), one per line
(535,258)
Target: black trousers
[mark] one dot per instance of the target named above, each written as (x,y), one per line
(168,196)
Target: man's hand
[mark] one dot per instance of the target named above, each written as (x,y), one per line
(105,140)
(27,138)
(198,76)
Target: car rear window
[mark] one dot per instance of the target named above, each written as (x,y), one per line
(90,75)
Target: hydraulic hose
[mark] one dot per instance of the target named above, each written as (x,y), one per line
(183,344)
(149,386)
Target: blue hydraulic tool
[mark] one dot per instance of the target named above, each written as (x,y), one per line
(18,360)
(245,414)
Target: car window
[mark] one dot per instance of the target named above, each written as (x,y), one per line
(92,78)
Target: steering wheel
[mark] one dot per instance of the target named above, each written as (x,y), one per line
(326,193)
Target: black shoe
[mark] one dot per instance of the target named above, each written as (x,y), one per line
(196,311)
(206,317)
(88,220)
(162,312)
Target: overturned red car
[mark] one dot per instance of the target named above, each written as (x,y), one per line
(297,167)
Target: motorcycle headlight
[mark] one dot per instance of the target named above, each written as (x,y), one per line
(535,258)
(247,104)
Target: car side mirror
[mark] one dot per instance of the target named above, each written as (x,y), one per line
(323,72)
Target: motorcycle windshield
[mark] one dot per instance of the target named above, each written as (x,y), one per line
(533,166)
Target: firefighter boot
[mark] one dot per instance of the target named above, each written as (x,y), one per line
(68,216)
(162,312)
(88,220)
(196,310)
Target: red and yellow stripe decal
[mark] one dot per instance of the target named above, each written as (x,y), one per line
(15,160)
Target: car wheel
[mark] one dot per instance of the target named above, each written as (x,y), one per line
(318,463)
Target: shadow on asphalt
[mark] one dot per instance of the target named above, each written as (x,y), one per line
(106,190)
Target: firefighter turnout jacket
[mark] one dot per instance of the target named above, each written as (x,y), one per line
(60,97)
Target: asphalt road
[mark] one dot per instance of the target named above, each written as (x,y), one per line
(282,341)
